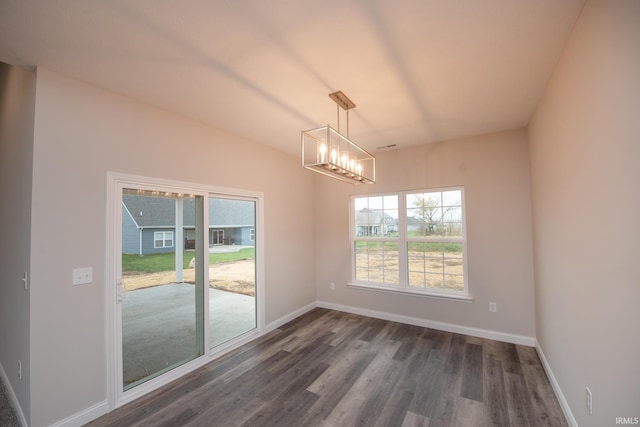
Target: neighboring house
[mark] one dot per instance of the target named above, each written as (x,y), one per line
(374,222)
(148,224)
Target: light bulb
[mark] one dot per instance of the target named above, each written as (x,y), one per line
(322,152)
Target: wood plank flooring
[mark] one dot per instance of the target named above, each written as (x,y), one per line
(329,368)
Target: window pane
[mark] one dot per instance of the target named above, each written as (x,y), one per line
(417,279)
(390,202)
(452,214)
(362,274)
(377,262)
(375,202)
(452,250)
(360,203)
(376,257)
(361,256)
(454,282)
(424,213)
(435,265)
(376,275)
(390,263)
(416,226)
(453,266)
(452,198)
(434,281)
(452,229)
(391,222)
(376,216)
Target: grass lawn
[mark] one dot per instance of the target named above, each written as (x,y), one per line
(154,263)
(450,247)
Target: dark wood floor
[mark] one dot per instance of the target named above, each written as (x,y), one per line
(329,368)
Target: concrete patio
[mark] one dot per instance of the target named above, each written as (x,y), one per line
(159,329)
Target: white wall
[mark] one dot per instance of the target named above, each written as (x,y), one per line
(81,132)
(494,170)
(17,104)
(585,156)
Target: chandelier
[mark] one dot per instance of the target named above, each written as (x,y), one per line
(326,151)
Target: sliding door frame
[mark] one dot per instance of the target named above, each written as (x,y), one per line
(116,182)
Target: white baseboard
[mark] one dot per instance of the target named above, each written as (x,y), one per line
(83,417)
(556,388)
(289,317)
(12,397)
(442,326)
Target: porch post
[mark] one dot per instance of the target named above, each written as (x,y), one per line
(178,242)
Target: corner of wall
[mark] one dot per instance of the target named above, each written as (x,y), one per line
(17,112)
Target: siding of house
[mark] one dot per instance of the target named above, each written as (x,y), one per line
(246,236)
(235,217)
(148,241)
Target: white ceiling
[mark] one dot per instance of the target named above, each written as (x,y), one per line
(419,71)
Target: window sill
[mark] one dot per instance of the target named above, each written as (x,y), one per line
(404,291)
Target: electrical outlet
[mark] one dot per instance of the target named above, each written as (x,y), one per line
(19,369)
(25,279)
(493,307)
(589,401)
(332,286)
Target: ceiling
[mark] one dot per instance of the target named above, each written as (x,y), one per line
(418,71)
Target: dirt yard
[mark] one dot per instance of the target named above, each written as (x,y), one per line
(236,276)
(433,262)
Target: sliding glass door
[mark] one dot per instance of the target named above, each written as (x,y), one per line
(184,262)
(162,283)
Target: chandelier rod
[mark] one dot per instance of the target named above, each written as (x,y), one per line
(343,101)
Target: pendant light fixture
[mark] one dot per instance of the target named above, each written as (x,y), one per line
(326,151)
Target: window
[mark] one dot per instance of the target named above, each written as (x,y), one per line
(163,239)
(410,241)
(252,234)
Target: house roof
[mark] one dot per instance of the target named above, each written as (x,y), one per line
(366,217)
(159,212)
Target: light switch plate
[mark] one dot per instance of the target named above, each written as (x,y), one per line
(82,276)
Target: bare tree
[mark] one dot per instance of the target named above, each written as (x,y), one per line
(431,212)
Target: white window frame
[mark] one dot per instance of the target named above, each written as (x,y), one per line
(163,239)
(403,286)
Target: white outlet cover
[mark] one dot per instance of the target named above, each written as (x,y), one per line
(82,276)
